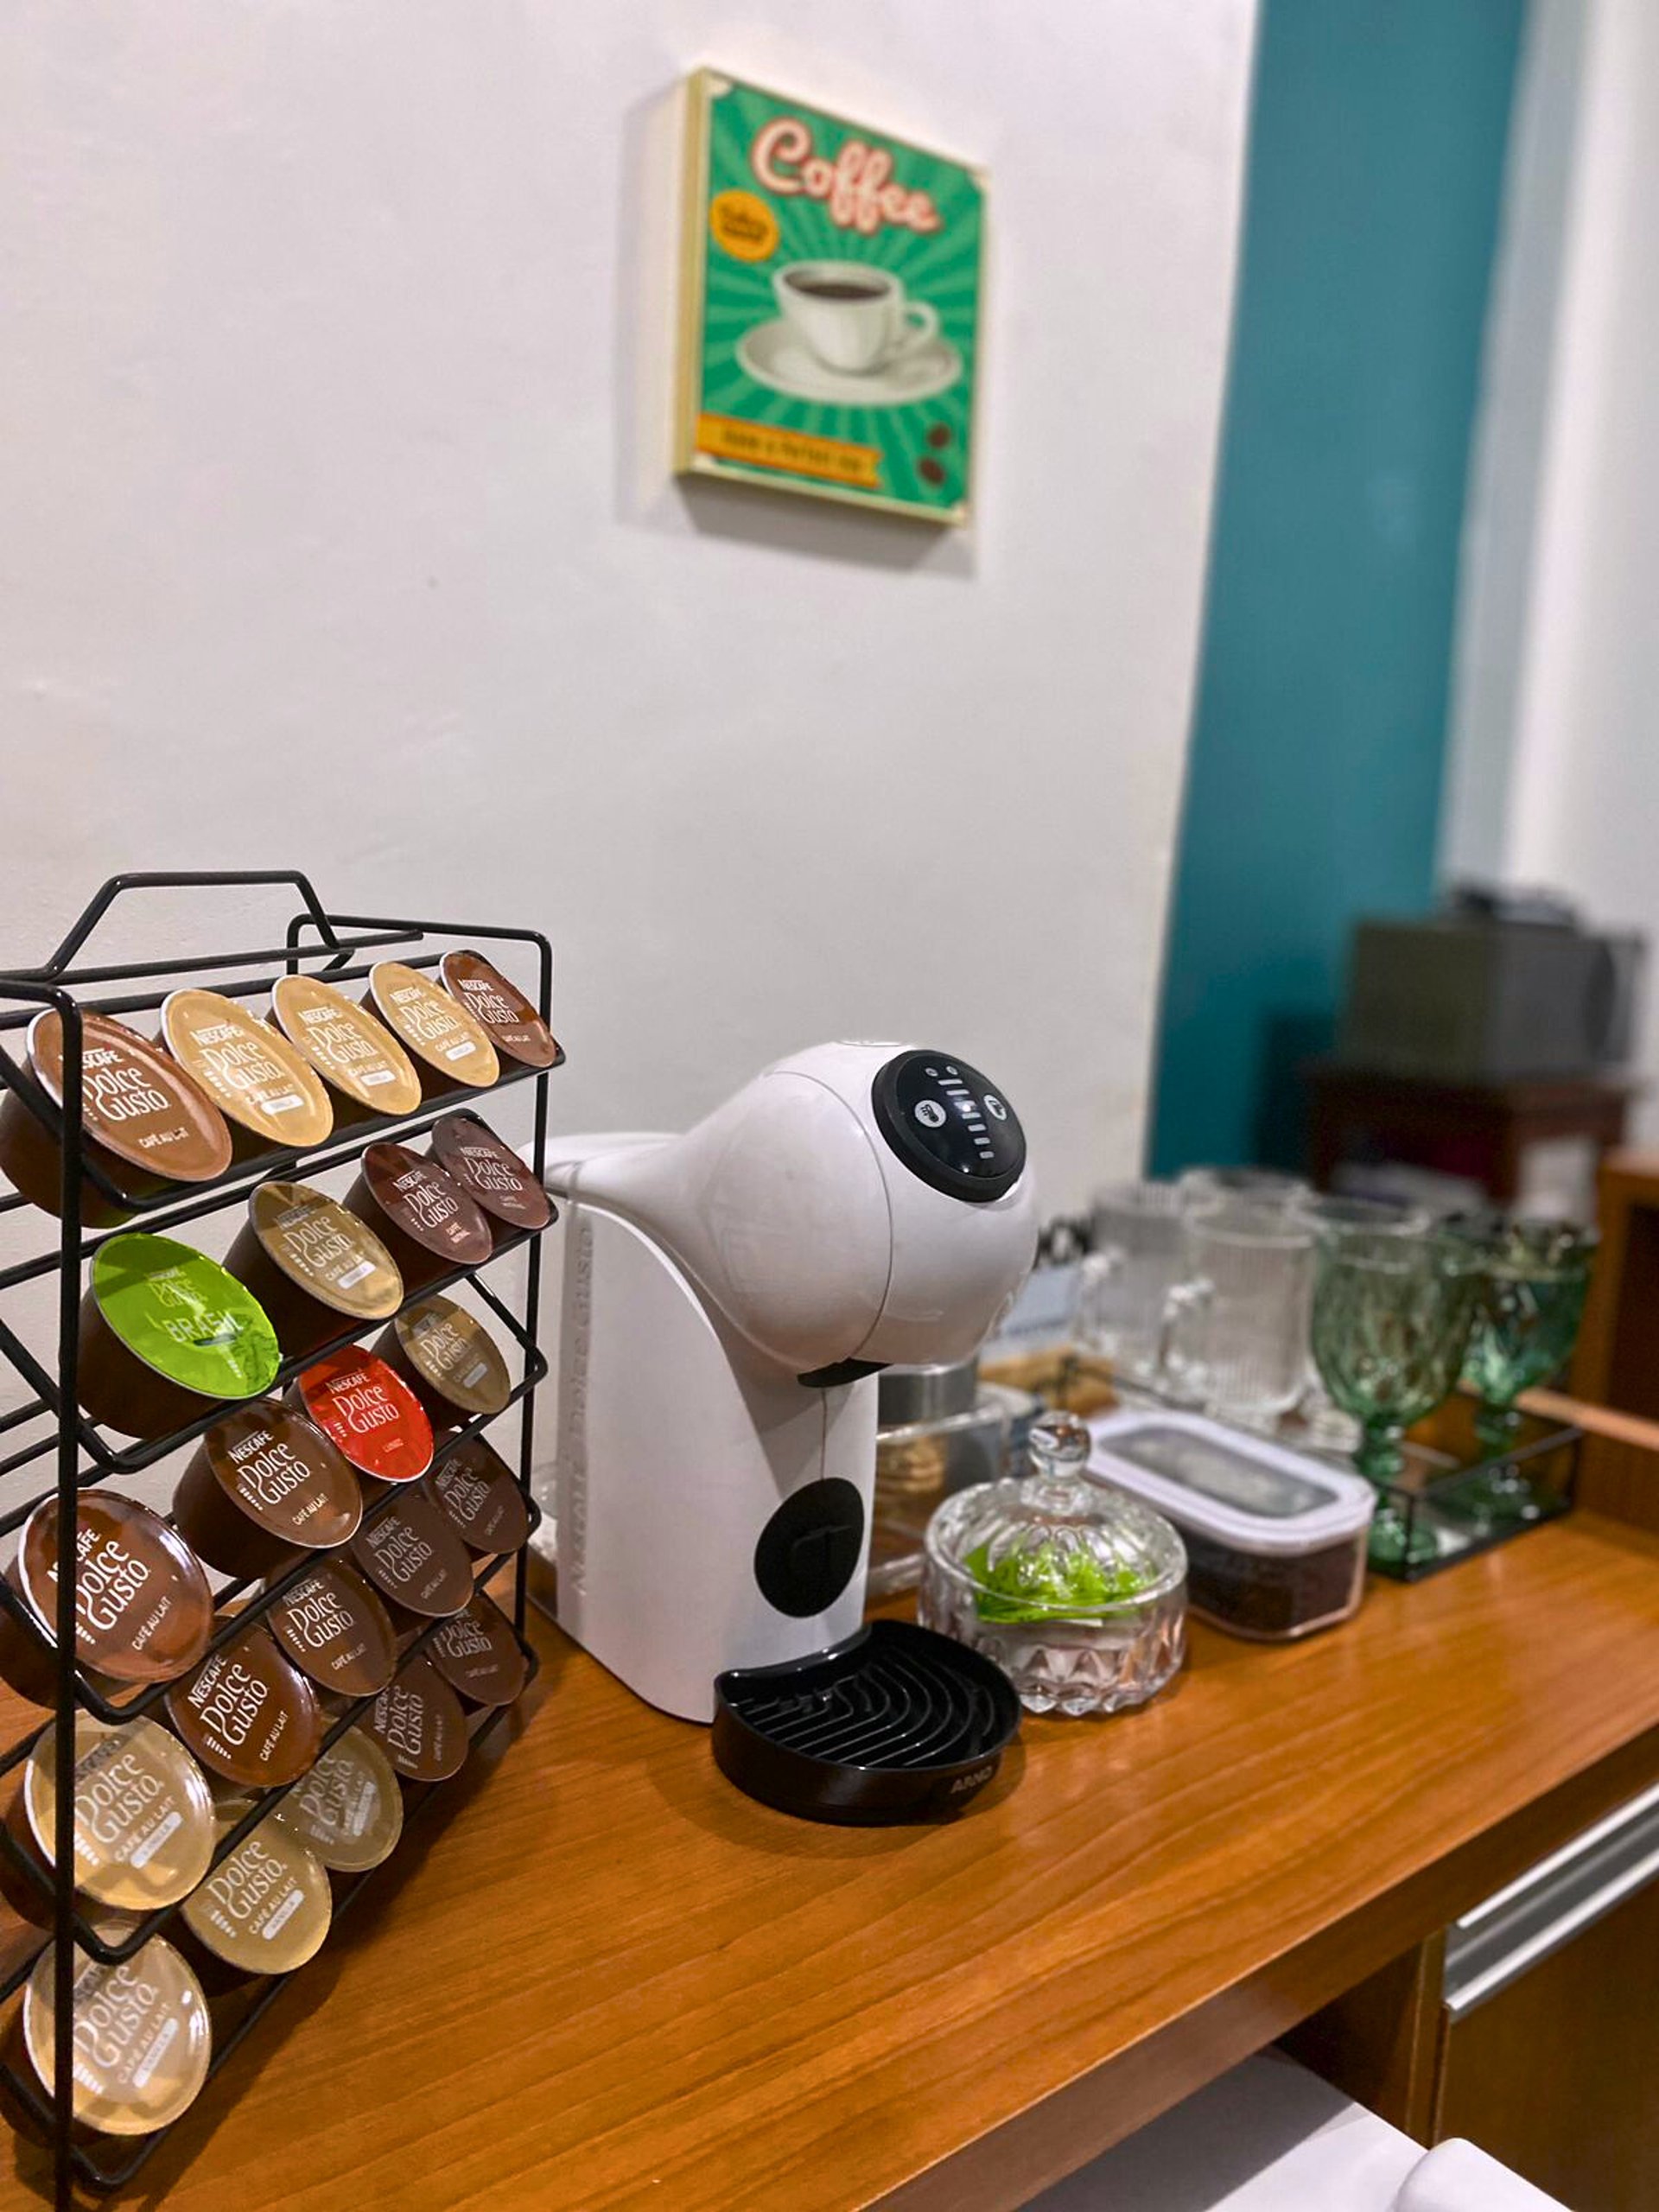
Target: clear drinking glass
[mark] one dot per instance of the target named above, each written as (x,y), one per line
(1535,1276)
(1391,1319)
(1234,1337)
(1125,1282)
(1328,1427)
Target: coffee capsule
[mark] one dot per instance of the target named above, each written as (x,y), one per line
(143,1819)
(143,1610)
(490,1173)
(418,1723)
(449,1048)
(335,1630)
(265,1909)
(266,1090)
(317,1270)
(479,1655)
(424,1218)
(475,1491)
(369,1413)
(145,1123)
(362,1061)
(449,1360)
(348,1809)
(501,1009)
(416,1561)
(165,1336)
(247,1715)
(142,2038)
(263,1483)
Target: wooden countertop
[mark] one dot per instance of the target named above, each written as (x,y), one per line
(602,1978)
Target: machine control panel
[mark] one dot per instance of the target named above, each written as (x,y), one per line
(810,1549)
(950,1125)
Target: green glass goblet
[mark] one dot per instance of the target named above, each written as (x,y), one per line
(1391,1320)
(1534,1278)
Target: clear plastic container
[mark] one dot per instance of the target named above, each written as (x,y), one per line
(1276,1542)
(1077,1591)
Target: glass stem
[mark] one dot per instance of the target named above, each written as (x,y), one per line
(1496,1426)
(1380,1457)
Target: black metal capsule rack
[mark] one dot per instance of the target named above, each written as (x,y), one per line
(52,1427)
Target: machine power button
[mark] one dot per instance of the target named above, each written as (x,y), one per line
(809,1551)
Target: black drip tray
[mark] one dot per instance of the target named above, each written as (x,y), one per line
(895,1723)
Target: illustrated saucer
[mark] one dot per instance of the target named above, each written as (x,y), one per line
(774,356)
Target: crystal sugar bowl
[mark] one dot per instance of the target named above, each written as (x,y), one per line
(1077,1591)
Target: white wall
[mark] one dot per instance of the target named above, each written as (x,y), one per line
(1555,769)
(338,529)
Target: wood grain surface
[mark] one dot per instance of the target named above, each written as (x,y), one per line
(600,1979)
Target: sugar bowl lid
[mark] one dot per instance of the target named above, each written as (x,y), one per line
(1054,1545)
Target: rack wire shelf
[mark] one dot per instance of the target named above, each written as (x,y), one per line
(46,1425)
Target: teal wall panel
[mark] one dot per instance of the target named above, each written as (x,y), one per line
(1375,183)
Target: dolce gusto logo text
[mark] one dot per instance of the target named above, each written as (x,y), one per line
(858,188)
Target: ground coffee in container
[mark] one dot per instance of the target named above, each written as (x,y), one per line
(424,1218)
(266,1090)
(143,1819)
(491,1173)
(265,1909)
(165,1335)
(143,1608)
(318,1271)
(418,1723)
(479,1655)
(145,1123)
(449,1048)
(416,1561)
(262,1483)
(501,1009)
(477,1493)
(450,1361)
(335,1630)
(369,1413)
(364,1063)
(247,1715)
(142,2039)
(349,1809)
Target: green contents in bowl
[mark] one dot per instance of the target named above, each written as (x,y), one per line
(1053,1582)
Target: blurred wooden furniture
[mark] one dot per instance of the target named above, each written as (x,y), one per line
(1478,1130)
(1617,1363)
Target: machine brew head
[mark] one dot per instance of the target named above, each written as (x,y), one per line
(855,1206)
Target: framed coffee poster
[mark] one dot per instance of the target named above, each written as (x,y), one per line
(831,305)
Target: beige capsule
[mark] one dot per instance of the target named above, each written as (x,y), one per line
(142,2038)
(265,1909)
(143,1822)
(356,1055)
(268,1091)
(450,1049)
(349,1809)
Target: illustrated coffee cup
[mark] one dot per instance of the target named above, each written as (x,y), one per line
(316,1269)
(262,1483)
(852,315)
(165,1336)
(369,1413)
(449,1359)
(421,1216)
(418,1723)
(146,2066)
(143,1608)
(451,1050)
(267,1091)
(492,1174)
(349,1810)
(145,1123)
(357,1056)
(247,1715)
(143,1820)
(336,1630)
(501,1009)
(475,1491)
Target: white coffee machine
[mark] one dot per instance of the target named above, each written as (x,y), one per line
(718,1305)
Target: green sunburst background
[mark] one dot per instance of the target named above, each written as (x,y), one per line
(942,267)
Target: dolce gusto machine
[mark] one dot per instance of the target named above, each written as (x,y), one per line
(725,1299)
